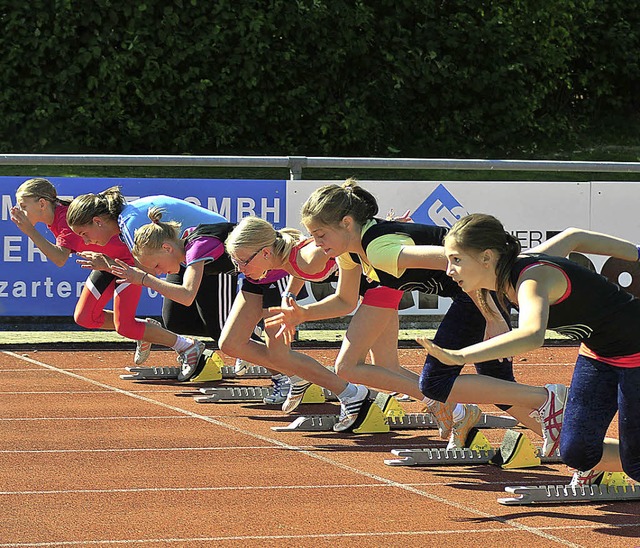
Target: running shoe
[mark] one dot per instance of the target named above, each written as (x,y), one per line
(143,348)
(241,367)
(461,429)
(401,397)
(443,415)
(350,409)
(550,416)
(583,479)
(279,390)
(189,360)
(295,395)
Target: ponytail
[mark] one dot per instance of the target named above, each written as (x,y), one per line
(329,204)
(108,203)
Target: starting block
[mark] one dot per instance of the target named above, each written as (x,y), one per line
(210,368)
(392,414)
(371,421)
(615,487)
(235,394)
(515,452)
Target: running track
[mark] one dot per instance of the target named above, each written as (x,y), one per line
(88,459)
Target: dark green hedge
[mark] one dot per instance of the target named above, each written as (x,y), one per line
(315,77)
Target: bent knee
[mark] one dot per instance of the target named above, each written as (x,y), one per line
(87,320)
(576,455)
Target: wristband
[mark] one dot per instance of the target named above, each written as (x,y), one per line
(143,277)
(288,294)
(638,248)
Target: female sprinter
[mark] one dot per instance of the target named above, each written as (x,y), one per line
(379,308)
(99,217)
(161,248)
(555,293)
(408,256)
(38,202)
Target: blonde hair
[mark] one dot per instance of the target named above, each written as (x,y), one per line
(255,233)
(40,188)
(150,237)
(108,203)
(329,204)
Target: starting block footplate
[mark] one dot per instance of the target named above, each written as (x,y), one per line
(562,494)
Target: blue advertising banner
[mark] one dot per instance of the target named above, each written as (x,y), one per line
(30,285)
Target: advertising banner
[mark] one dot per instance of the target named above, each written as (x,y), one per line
(30,285)
(532,211)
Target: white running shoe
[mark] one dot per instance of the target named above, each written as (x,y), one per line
(241,367)
(189,360)
(279,391)
(550,416)
(295,395)
(351,409)
(143,348)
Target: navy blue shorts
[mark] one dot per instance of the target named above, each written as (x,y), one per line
(462,325)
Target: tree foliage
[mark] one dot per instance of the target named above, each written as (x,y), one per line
(312,77)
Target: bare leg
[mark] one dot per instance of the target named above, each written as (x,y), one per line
(159,335)
(235,340)
(375,326)
(610,461)
(484,389)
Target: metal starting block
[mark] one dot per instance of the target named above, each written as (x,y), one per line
(562,494)
(418,421)
(233,394)
(407,421)
(516,451)
(171,373)
(149,373)
(314,394)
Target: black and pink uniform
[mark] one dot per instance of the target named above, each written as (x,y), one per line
(605,319)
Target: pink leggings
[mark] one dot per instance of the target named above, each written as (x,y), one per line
(98,290)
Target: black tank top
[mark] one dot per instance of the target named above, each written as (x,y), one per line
(434,282)
(594,310)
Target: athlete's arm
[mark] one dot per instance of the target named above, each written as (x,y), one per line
(430,257)
(56,254)
(183,294)
(537,288)
(586,241)
(342,302)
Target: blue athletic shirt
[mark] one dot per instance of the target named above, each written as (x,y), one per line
(135,214)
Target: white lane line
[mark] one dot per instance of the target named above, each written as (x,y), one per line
(230,488)
(514,524)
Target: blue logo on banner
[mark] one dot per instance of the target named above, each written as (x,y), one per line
(439,208)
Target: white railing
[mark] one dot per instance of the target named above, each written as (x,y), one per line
(296,164)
